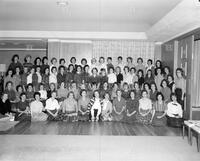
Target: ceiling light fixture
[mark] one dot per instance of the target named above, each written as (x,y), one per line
(62,3)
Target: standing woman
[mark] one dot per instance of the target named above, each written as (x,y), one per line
(9,77)
(69,76)
(23,110)
(158,78)
(69,108)
(107,108)
(45,78)
(73,62)
(165,90)
(37,62)
(15,63)
(78,75)
(149,78)
(140,65)
(127,77)
(132,106)
(119,76)
(61,75)
(140,78)
(114,91)
(27,62)
(37,108)
(44,64)
(145,114)
(166,71)
(153,92)
(180,84)
(119,107)
(83,112)
(146,87)
(53,76)
(137,90)
(112,78)
(160,108)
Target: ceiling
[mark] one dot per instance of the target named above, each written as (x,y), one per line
(83,15)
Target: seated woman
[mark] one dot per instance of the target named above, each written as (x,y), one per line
(52,88)
(104,90)
(75,90)
(159,118)
(19,90)
(83,113)
(119,107)
(145,114)
(174,112)
(30,93)
(95,106)
(5,107)
(114,91)
(69,108)
(132,105)
(62,92)
(165,90)
(43,92)
(125,91)
(37,108)
(52,107)
(23,110)
(10,91)
(107,108)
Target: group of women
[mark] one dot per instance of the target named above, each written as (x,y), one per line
(98,92)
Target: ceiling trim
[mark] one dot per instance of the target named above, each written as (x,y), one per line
(73,35)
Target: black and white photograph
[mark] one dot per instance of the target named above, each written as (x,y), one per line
(99,80)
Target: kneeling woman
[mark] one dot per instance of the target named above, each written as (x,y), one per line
(23,111)
(132,106)
(83,112)
(119,107)
(159,118)
(69,108)
(37,108)
(52,107)
(107,108)
(95,106)
(145,114)
(174,112)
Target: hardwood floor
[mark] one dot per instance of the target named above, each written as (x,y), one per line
(91,128)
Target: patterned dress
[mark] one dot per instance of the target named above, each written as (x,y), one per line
(119,105)
(83,106)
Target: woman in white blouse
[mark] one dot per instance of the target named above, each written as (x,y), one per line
(37,108)
(145,109)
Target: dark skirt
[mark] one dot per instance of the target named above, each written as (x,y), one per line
(174,122)
(159,122)
(144,119)
(52,118)
(82,117)
(130,119)
(22,117)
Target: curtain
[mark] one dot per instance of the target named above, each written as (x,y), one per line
(97,48)
(195,84)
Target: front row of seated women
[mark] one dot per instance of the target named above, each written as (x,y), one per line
(95,109)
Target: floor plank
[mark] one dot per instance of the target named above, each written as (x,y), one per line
(91,128)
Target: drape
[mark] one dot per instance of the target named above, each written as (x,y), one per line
(195,84)
(97,48)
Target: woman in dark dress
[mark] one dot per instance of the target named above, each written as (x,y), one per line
(5,106)
(45,78)
(10,91)
(23,110)
(61,75)
(15,63)
(69,76)
(44,64)
(27,62)
(119,76)
(132,105)
(153,92)
(137,90)
(149,78)
(140,78)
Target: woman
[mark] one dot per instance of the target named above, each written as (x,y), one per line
(145,114)
(45,78)
(23,110)
(133,75)
(19,91)
(52,107)
(132,106)
(78,76)
(114,91)
(85,76)
(51,89)
(73,63)
(62,92)
(174,112)
(125,91)
(158,78)
(10,91)
(43,92)
(160,108)
(149,78)
(44,64)
(53,76)
(104,90)
(37,108)
(95,106)
(112,78)
(83,113)
(180,84)
(69,76)
(140,78)
(17,77)
(61,75)
(127,77)
(73,88)
(166,71)
(146,87)
(119,107)
(94,78)
(5,105)
(27,62)
(170,80)
(137,90)
(37,62)
(153,92)
(107,108)
(15,63)
(119,75)
(30,93)
(165,90)
(140,65)
(69,108)
(39,78)
(53,64)
(24,77)
(9,77)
